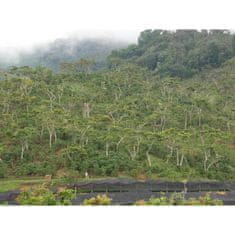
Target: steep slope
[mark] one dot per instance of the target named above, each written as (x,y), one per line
(123,121)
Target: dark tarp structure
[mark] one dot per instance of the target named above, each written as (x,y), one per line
(128,191)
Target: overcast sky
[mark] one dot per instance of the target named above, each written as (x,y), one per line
(24,23)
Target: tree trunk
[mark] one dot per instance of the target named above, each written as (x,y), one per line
(182,159)
(149,159)
(119,142)
(50,139)
(55,136)
(185,120)
(177,157)
(190,118)
(22,152)
(205,161)
(86,110)
(199,117)
(107,149)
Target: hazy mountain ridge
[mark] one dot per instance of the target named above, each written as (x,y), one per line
(64,50)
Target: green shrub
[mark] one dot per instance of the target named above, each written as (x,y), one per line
(179,199)
(41,195)
(35,169)
(161,201)
(98,200)
(66,196)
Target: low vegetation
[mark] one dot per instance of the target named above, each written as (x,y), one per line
(16,184)
(180,200)
(42,195)
(98,200)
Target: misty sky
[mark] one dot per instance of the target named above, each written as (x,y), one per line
(24,23)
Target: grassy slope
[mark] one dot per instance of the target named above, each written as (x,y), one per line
(11,184)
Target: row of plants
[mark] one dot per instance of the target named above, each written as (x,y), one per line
(180,200)
(42,195)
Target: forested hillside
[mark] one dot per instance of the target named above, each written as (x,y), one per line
(133,119)
(179,53)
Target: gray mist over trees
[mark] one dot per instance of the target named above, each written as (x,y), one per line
(96,45)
